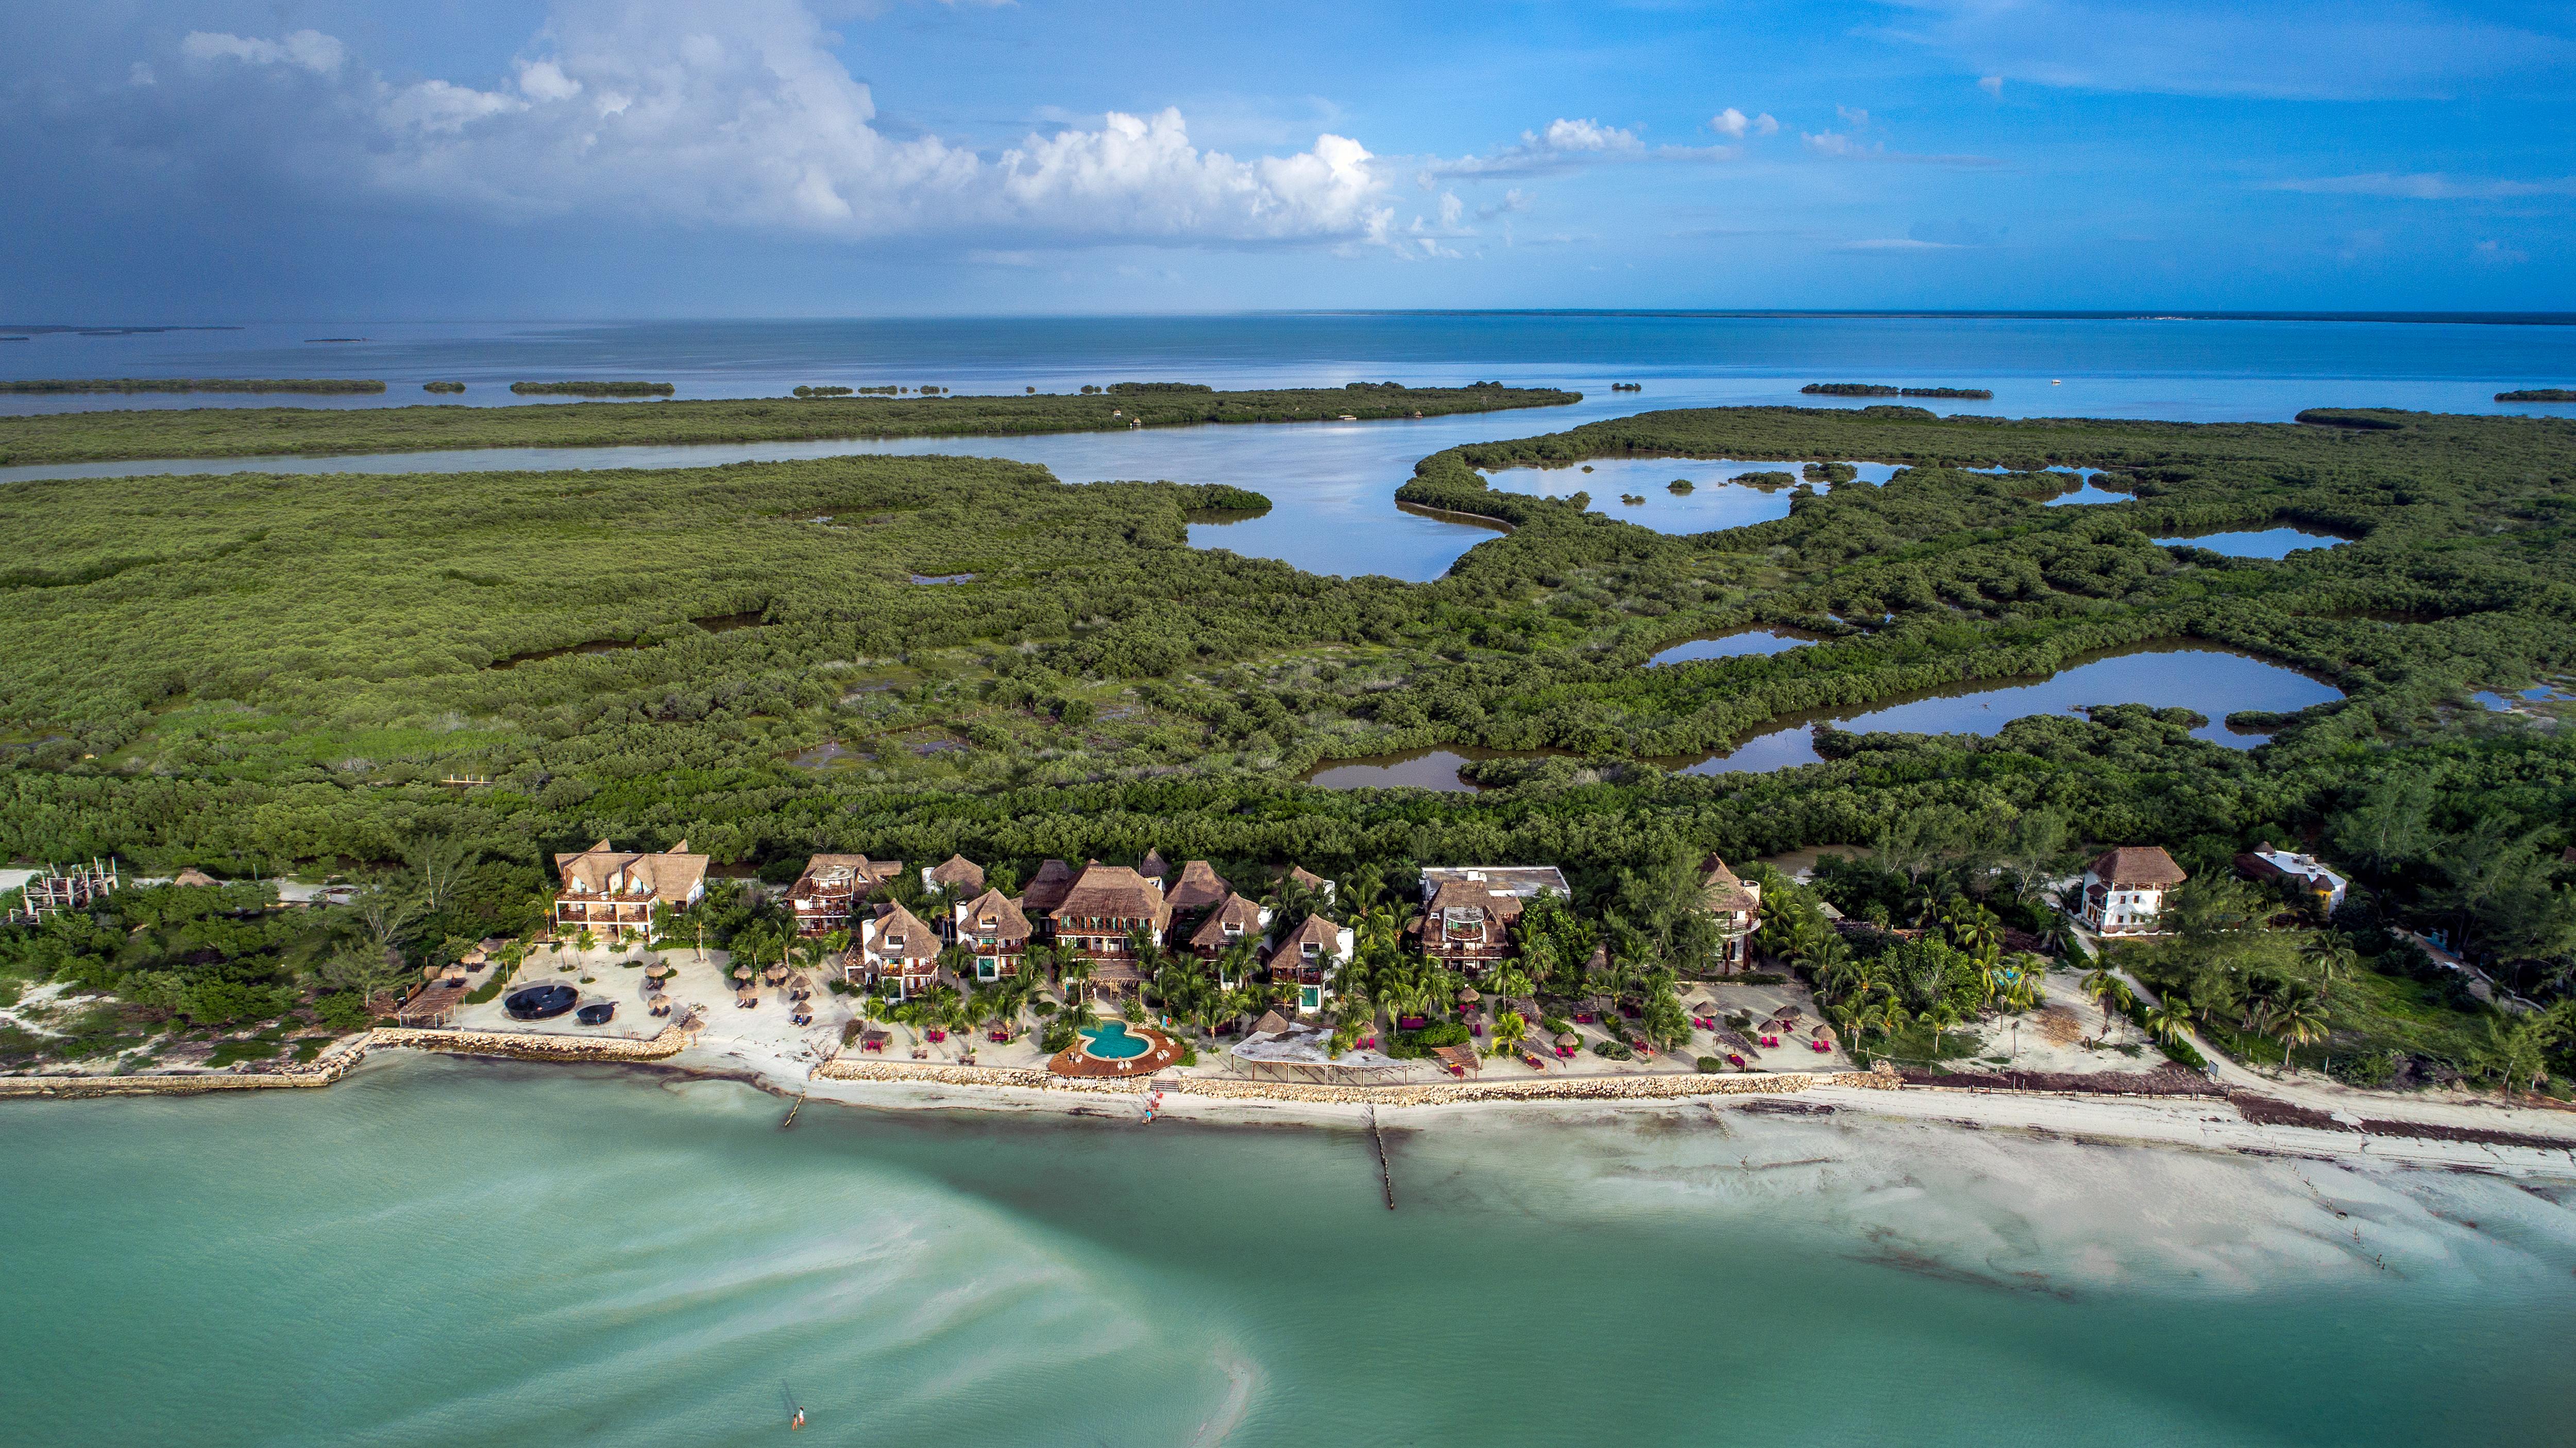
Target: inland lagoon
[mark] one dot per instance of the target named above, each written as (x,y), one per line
(441,1252)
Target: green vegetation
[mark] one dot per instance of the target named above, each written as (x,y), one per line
(447,387)
(593,389)
(823,391)
(1874,389)
(258,670)
(2539,394)
(191,384)
(231,432)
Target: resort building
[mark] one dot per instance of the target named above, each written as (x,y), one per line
(2125,890)
(1470,910)
(1199,890)
(1153,867)
(895,948)
(1300,875)
(1234,920)
(612,893)
(2322,885)
(993,926)
(1737,908)
(1046,891)
(828,896)
(1308,958)
(1105,903)
(954,873)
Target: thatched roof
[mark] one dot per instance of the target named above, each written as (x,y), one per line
(1271,1024)
(996,912)
(1199,887)
(1114,892)
(1722,892)
(2137,865)
(1235,918)
(898,934)
(958,871)
(673,874)
(1153,866)
(1047,888)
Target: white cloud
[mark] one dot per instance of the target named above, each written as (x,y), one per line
(1858,120)
(743,115)
(310,49)
(1846,148)
(141,74)
(545,81)
(1736,125)
(2430,186)
(1992,85)
(1566,145)
(1834,143)
(1451,208)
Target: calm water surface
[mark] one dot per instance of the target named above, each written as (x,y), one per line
(443,1252)
(1713,501)
(1749,643)
(1334,483)
(2261,542)
(2212,682)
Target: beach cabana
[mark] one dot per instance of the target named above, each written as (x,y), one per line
(1459,1060)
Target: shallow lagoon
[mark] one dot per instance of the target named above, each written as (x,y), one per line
(2260,543)
(1713,501)
(2212,682)
(1749,643)
(451,1252)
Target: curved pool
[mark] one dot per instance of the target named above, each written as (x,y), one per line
(1113,1042)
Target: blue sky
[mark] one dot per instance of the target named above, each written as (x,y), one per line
(456,158)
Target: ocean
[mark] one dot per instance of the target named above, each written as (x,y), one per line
(1333,483)
(452,1252)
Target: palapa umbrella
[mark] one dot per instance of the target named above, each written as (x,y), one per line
(661,970)
(1568,1039)
(1467,996)
(742,972)
(776,973)
(429,972)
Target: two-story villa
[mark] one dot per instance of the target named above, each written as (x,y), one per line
(1234,920)
(896,948)
(1469,910)
(611,893)
(1308,958)
(994,927)
(829,896)
(2125,890)
(1104,904)
(1736,906)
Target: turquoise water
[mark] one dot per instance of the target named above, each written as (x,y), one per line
(1111,1042)
(444,1252)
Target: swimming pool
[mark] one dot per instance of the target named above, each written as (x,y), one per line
(1111,1042)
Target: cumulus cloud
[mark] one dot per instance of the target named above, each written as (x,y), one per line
(1735,125)
(2430,186)
(743,116)
(1566,145)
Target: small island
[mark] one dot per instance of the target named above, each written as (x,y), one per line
(592,389)
(1876,389)
(2539,394)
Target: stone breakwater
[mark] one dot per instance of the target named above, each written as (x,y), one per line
(538,1046)
(330,1066)
(1026,1078)
(1562,1088)
(1437,1093)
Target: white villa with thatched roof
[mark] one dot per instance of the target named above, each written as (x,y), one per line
(1735,904)
(2124,891)
(895,948)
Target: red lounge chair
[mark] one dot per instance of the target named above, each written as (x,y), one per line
(1583,1018)
(1818,1046)
(1369,1045)
(939,1035)
(1458,1071)
(1476,1028)
(1535,1063)
(1410,1023)
(1734,1059)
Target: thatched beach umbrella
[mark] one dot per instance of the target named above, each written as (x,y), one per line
(1467,996)
(776,974)
(661,970)
(429,972)
(742,972)
(1568,1039)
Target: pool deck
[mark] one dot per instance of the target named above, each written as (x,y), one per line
(1073,1060)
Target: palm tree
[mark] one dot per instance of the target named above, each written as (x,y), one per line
(1509,1031)
(2332,955)
(1239,960)
(2296,1018)
(2107,990)
(1076,969)
(2170,1017)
